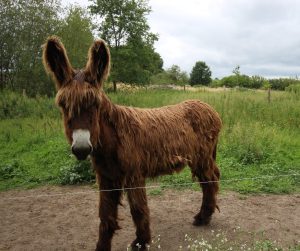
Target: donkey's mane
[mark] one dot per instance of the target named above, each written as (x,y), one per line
(77,95)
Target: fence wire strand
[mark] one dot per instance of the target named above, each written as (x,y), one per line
(152,186)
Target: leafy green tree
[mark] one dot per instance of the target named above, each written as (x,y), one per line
(200,74)
(76,34)
(174,73)
(24,27)
(136,63)
(125,28)
(237,73)
(258,82)
(177,76)
(236,70)
(9,30)
(161,78)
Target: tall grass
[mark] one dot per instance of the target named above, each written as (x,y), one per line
(258,138)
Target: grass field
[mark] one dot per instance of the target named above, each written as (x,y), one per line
(258,139)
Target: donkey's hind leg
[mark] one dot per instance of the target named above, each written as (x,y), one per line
(140,214)
(208,175)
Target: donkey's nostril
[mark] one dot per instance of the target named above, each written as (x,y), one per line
(81,152)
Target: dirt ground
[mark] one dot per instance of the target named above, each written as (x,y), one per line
(66,218)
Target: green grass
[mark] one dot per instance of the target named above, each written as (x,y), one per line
(258,139)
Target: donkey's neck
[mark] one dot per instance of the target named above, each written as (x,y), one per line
(114,119)
(111,113)
(108,121)
(107,108)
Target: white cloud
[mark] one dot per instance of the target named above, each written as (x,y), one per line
(262,36)
(253,34)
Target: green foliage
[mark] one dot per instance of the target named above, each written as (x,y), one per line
(76,34)
(24,27)
(177,76)
(294,88)
(14,105)
(122,20)
(216,83)
(282,83)
(80,172)
(229,81)
(135,63)
(11,170)
(125,28)
(254,82)
(258,82)
(161,78)
(201,74)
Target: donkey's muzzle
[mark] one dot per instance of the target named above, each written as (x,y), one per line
(81,146)
(81,152)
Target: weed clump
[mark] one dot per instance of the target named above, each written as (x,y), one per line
(80,172)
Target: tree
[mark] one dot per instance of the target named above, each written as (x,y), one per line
(76,34)
(237,73)
(174,73)
(24,26)
(177,76)
(124,27)
(200,74)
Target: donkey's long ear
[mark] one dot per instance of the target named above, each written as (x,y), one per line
(98,64)
(56,61)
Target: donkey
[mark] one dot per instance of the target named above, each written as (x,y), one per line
(127,144)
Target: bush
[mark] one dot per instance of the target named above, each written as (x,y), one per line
(11,170)
(229,81)
(282,83)
(81,172)
(254,82)
(294,88)
(14,105)
(161,78)
(258,82)
(216,83)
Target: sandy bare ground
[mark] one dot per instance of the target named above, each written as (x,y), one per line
(66,218)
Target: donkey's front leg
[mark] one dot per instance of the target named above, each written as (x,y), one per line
(108,213)
(140,215)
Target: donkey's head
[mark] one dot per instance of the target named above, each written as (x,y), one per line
(78,92)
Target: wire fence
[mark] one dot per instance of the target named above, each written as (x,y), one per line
(152,186)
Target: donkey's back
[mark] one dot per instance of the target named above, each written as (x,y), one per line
(163,140)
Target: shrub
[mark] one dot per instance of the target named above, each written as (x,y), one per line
(282,83)
(216,83)
(14,105)
(161,78)
(80,172)
(294,88)
(258,82)
(229,81)
(11,170)
(254,82)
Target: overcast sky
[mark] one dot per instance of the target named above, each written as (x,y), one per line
(262,36)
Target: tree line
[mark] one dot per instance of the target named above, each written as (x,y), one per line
(25,25)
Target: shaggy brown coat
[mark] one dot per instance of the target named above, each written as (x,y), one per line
(130,144)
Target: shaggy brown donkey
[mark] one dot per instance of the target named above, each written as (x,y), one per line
(129,144)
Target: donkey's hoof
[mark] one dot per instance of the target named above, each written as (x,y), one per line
(137,245)
(199,221)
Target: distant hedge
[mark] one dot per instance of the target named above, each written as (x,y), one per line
(255,82)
